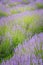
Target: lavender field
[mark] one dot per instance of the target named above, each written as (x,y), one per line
(21,32)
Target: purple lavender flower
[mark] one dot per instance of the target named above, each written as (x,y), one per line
(26,58)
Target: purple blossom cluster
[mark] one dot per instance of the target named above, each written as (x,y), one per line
(24,54)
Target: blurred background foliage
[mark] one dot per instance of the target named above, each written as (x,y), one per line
(30,25)
(3,14)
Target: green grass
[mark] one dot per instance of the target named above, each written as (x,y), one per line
(3,14)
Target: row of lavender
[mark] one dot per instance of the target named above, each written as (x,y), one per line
(29,53)
(17,7)
(14,30)
(19,25)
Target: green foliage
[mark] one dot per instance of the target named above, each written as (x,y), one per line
(38,51)
(30,8)
(28,20)
(26,1)
(13,4)
(39,5)
(35,27)
(6,46)
(14,11)
(38,29)
(3,14)
(18,38)
(6,49)
(32,25)
(3,30)
(21,9)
